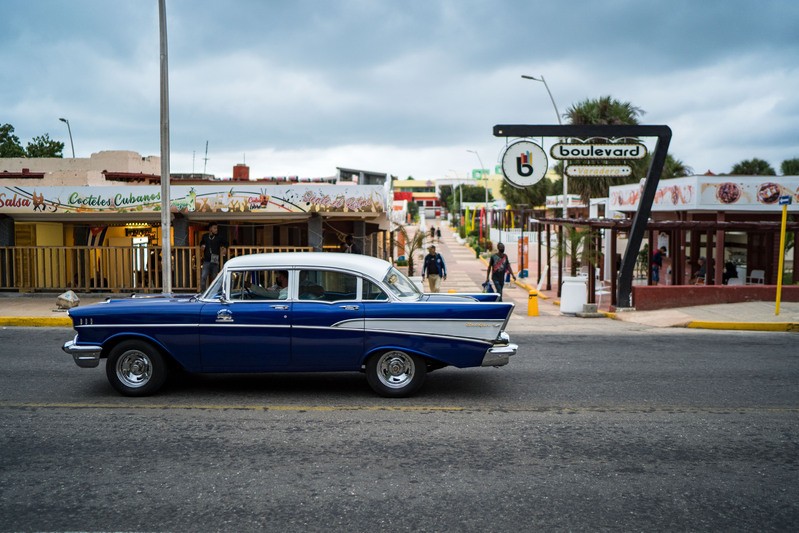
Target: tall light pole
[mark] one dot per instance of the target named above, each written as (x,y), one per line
(460,198)
(557,113)
(166,221)
(65,121)
(485,186)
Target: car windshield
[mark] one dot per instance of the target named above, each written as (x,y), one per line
(402,287)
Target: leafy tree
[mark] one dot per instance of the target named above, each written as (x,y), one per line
(43,146)
(9,143)
(532,196)
(413,210)
(470,193)
(604,110)
(445,196)
(790,167)
(753,167)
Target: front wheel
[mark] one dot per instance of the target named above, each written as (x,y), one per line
(136,368)
(395,374)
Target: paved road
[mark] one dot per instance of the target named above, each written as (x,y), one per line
(648,430)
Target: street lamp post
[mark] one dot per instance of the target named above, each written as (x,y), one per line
(557,113)
(485,186)
(460,199)
(65,121)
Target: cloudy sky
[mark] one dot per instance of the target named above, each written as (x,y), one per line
(406,87)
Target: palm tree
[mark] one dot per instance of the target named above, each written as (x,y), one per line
(412,245)
(604,110)
(753,167)
(674,168)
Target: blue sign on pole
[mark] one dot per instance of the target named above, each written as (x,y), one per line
(785,200)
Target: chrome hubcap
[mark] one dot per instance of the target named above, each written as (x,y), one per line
(395,369)
(134,369)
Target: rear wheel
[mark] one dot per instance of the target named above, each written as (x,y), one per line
(136,368)
(395,374)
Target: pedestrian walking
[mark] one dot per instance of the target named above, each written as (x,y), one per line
(212,247)
(657,263)
(498,266)
(434,269)
(438,234)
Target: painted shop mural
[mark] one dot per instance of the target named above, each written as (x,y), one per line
(190,199)
(716,193)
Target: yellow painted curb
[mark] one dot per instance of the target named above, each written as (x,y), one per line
(745,326)
(33,321)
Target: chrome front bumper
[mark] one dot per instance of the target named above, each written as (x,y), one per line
(84,356)
(499,355)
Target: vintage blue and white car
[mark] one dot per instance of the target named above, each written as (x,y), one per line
(294,312)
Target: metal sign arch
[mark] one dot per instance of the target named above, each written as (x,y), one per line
(584,132)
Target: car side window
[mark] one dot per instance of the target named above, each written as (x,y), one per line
(327,285)
(372,292)
(259,284)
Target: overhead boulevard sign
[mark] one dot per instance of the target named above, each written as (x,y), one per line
(598,151)
(524,163)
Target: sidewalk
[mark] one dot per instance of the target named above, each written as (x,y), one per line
(462,265)
(466,273)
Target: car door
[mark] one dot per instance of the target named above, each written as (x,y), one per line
(247,331)
(327,323)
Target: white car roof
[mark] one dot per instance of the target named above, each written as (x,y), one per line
(371,266)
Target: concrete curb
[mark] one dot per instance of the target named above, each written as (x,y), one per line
(745,326)
(35,321)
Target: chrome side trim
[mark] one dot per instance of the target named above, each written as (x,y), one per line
(84,356)
(485,330)
(437,336)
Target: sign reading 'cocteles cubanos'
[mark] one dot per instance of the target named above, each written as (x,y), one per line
(524,163)
(598,151)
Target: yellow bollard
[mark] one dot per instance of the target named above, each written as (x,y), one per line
(452,291)
(532,303)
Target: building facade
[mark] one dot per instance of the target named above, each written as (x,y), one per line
(94,223)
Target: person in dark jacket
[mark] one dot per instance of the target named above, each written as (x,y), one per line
(212,247)
(434,269)
(498,266)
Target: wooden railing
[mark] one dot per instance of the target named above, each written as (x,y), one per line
(108,268)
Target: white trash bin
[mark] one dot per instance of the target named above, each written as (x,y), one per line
(573,294)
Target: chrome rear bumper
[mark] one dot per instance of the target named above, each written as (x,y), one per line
(499,355)
(84,356)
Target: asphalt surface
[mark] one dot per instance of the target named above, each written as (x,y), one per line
(655,430)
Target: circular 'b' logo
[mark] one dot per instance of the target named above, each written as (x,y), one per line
(524,163)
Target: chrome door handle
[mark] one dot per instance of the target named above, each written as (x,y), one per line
(280,307)
(350,307)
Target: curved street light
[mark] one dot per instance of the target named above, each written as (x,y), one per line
(65,121)
(557,113)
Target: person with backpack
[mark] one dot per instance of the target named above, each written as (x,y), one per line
(498,266)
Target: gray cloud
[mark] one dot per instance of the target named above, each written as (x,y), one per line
(403,87)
